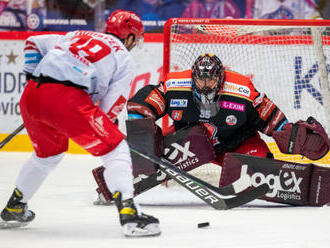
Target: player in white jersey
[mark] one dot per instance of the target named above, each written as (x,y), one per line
(67,76)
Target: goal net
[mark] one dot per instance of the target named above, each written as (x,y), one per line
(286,59)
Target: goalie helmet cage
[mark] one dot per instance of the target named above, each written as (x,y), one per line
(286,59)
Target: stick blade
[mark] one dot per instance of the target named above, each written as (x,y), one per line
(247,196)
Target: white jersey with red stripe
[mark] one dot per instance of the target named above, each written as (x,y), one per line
(97,61)
(36,47)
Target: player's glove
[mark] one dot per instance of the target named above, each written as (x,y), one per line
(307,138)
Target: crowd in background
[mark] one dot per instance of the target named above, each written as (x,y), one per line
(55,15)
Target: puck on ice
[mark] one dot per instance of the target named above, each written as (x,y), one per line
(203,224)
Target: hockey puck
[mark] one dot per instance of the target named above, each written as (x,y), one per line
(203,224)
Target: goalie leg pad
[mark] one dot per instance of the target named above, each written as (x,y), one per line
(144,133)
(290,183)
(102,189)
(319,194)
(187,148)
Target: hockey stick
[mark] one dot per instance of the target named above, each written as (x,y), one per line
(12,135)
(200,188)
(231,189)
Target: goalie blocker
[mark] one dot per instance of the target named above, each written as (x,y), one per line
(187,148)
(290,183)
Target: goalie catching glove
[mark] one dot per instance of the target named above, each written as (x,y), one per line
(307,138)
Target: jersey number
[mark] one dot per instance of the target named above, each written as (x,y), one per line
(91,49)
(205,114)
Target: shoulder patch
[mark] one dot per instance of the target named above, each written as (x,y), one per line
(179,81)
(179,84)
(238,85)
(236,89)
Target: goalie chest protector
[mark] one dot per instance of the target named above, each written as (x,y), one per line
(235,115)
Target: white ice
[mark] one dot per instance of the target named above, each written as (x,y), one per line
(67,218)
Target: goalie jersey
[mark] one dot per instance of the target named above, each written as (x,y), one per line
(239,112)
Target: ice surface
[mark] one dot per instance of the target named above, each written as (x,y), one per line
(67,218)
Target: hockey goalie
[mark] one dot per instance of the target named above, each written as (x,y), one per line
(219,114)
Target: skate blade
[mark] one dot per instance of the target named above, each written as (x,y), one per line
(12,224)
(131,230)
(101,203)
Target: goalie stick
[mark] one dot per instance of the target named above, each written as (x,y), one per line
(231,189)
(12,135)
(200,188)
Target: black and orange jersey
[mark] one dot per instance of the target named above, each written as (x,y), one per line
(242,109)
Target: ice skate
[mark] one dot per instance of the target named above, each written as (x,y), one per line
(135,224)
(16,213)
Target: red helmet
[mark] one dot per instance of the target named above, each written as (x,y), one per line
(123,23)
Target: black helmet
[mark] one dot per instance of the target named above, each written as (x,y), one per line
(208,66)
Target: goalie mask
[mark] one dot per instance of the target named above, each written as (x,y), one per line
(208,75)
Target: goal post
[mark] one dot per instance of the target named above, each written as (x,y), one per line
(288,60)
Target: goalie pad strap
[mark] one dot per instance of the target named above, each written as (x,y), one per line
(293,137)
